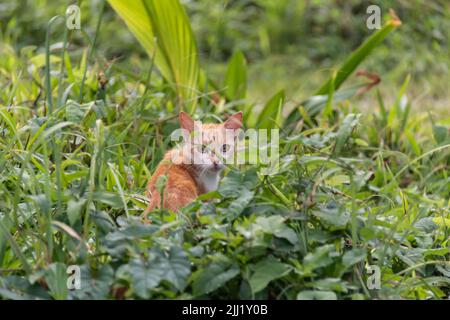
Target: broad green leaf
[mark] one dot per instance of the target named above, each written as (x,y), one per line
(214,276)
(238,205)
(164,30)
(338,180)
(266,271)
(20,288)
(143,277)
(174,264)
(353,256)
(118,242)
(74,208)
(76,112)
(109,198)
(316,295)
(270,224)
(441,134)
(103,221)
(345,130)
(238,186)
(329,284)
(95,284)
(267,119)
(332,215)
(146,274)
(436,252)
(275,225)
(320,257)
(235,183)
(56,279)
(426,225)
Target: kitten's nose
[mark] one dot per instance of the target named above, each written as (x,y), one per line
(215,162)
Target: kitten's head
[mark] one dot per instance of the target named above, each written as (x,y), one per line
(208,147)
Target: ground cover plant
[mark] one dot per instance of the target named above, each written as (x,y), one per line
(361,190)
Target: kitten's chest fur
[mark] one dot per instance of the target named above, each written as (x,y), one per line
(208,181)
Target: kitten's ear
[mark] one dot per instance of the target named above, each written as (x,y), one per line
(234,122)
(186,121)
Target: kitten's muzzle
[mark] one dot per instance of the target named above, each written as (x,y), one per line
(218,166)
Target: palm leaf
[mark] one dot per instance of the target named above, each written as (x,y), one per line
(163,29)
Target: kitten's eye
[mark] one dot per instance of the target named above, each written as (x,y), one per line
(225,148)
(202,148)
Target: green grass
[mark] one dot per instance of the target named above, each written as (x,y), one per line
(358,186)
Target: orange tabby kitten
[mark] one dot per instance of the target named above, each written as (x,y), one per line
(194,167)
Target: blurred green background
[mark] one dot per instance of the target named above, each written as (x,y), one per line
(81,133)
(289,44)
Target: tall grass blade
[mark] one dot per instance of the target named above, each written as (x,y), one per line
(347,68)
(359,55)
(236,77)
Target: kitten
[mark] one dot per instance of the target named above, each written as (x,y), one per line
(194,167)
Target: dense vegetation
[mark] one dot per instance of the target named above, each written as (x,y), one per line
(363,180)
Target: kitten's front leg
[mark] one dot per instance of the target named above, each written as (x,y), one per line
(177,198)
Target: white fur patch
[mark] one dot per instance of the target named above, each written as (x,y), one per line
(209,180)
